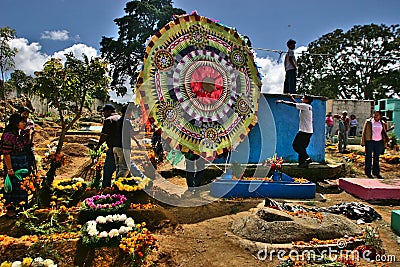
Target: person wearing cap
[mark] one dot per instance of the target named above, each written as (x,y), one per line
(290,63)
(108,136)
(122,145)
(15,159)
(343,131)
(28,133)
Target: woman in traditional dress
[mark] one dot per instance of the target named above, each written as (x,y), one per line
(16,164)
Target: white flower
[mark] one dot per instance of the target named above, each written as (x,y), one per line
(48,262)
(113,232)
(78,179)
(37,262)
(91,223)
(123,230)
(109,218)
(16,264)
(92,231)
(101,219)
(130,222)
(122,217)
(103,234)
(115,217)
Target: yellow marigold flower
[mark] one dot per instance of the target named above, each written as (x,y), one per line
(22,203)
(27,261)
(6,264)
(143,224)
(53,197)
(53,203)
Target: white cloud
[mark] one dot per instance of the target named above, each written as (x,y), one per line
(77,50)
(29,58)
(273,73)
(59,35)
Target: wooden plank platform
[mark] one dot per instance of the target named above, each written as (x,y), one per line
(371,189)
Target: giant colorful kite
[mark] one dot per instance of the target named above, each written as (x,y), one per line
(200,85)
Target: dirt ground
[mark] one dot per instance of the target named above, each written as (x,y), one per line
(207,240)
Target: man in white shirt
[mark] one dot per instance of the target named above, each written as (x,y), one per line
(302,139)
(289,86)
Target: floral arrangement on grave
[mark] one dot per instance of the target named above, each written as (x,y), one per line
(36,262)
(107,230)
(138,245)
(105,204)
(68,186)
(132,184)
(372,243)
(274,163)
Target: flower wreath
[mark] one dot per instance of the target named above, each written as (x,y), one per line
(69,186)
(105,203)
(107,230)
(131,184)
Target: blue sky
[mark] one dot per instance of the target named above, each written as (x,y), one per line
(52,27)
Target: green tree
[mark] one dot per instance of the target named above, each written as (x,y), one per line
(68,88)
(7,55)
(19,81)
(142,20)
(362,63)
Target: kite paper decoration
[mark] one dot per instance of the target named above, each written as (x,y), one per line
(200,85)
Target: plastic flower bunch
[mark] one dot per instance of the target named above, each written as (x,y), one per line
(274,163)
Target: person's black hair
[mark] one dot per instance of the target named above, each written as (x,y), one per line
(291,41)
(309,98)
(13,121)
(23,109)
(123,109)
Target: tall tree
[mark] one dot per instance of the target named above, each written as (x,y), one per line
(142,20)
(362,63)
(22,83)
(7,55)
(68,89)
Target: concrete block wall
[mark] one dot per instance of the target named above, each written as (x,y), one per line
(391,109)
(275,131)
(362,109)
